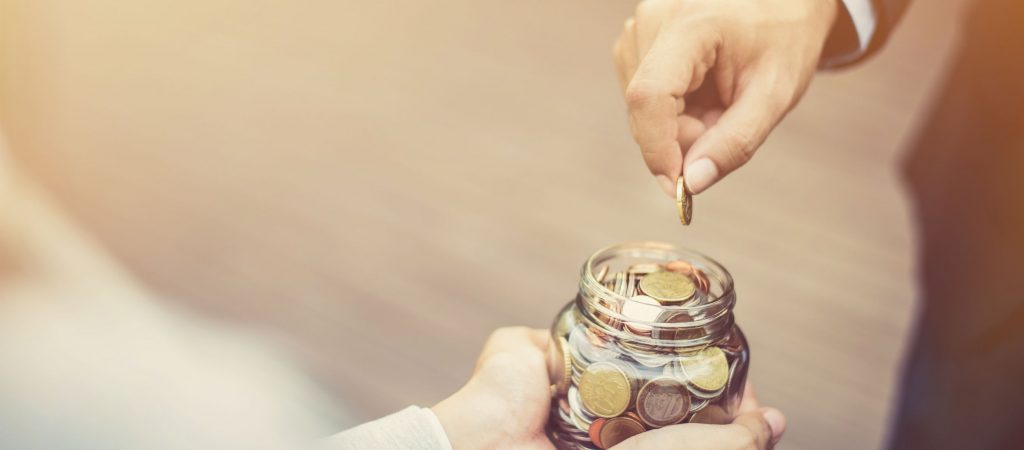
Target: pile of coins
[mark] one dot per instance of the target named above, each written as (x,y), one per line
(610,386)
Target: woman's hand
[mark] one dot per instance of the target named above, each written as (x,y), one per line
(707,80)
(755,427)
(506,402)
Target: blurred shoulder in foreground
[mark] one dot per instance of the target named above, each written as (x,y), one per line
(93,360)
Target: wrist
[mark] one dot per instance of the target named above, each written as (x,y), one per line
(467,425)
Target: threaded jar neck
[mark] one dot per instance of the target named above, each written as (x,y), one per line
(618,307)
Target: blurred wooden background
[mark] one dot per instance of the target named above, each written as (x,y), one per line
(383,183)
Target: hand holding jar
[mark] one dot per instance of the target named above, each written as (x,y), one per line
(505,405)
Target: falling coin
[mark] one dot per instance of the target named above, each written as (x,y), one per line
(619,429)
(663,401)
(684,202)
(707,370)
(605,389)
(668,287)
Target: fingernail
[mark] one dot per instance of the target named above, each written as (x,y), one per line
(668,185)
(700,175)
(776,421)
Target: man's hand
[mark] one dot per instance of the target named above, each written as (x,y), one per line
(707,80)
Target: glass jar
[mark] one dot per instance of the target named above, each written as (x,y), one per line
(649,341)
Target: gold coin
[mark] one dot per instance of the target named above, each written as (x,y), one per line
(605,389)
(707,370)
(619,429)
(559,365)
(684,202)
(667,287)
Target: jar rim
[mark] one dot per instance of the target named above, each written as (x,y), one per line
(718,305)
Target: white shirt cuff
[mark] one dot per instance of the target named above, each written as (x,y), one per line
(862,12)
(442,436)
(412,428)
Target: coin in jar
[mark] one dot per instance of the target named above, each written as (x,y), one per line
(707,370)
(679,266)
(663,401)
(618,429)
(680,332)
(667,287)
(577,413)
(559,365)
(644,268)
(595,431)
(703,283)
(605,389)
(640,310)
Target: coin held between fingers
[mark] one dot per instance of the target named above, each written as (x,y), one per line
(684,201)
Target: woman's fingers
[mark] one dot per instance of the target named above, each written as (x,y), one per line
(762,54)
(760,429)
(749,402)
(515,340)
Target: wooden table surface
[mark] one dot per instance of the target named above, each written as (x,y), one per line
(383,183)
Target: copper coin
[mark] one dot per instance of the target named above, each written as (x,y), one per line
(702,281)
(677,333)
(634,416)
(617,430)
(595,431)
(680,267)
(663,401)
